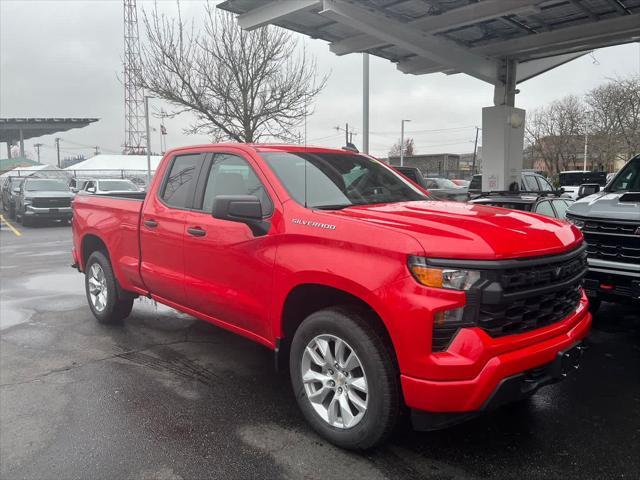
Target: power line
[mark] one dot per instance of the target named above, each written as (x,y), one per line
(426,130)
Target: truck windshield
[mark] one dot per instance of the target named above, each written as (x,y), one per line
(334,180)
(45,185)
(628,180)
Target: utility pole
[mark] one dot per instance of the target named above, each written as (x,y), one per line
(146,122)
(402,142)
(37,147)
(475,153)
(346,134)
(365,103)
(586,151)
(58,150)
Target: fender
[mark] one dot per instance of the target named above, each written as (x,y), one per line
(326,279)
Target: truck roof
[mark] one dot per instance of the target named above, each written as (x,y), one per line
(264,147)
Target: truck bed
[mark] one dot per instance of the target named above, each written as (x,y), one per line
(116,220)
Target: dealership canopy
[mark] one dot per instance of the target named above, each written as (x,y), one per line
(502,42)
(21,129)
(473,37)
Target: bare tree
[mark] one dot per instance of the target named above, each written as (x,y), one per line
(409,148)
(615,110)
(241,86)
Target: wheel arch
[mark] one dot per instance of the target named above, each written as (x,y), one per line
(305,298)
(91,243)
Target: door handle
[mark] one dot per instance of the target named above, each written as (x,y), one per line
(196,231)
(150,223)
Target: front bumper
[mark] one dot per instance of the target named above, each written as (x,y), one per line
(510,389)
(612,281)
(459,395)
(38,212)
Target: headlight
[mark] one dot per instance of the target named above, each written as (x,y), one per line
(28,201)
(451,278)
(578,223)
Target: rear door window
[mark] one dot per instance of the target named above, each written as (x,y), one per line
(545,186)
(545,208)
(530,184)
(561,208)
(180,181)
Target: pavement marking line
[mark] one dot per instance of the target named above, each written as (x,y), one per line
(15,231)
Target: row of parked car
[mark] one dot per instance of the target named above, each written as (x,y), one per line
(29,199)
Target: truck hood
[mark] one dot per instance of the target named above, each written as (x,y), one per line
(46,194)
(610,206)
(459,230)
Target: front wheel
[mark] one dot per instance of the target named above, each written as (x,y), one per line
(102,291)
(345,378)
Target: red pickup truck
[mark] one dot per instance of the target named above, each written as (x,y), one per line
(379,300)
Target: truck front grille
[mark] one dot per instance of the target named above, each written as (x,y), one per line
(615,241)
(518,296)
(51,202)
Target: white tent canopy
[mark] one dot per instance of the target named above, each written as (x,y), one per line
(28,171)
(103,162)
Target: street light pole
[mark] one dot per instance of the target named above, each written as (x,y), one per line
(402,142)
(146,121)
(586,140)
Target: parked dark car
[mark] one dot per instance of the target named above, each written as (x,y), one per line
(43,198)
(571,180)
(544,204)
(529,182)
(8,195)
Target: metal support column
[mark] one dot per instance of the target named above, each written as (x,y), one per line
(503,134)
(21,143)
(365,103)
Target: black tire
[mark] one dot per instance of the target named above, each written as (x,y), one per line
(594,305)
(12,212)
(117,306)
(383,397)
(26,221)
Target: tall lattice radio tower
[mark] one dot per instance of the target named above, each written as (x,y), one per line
(134,141)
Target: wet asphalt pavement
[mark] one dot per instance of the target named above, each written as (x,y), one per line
(168,397)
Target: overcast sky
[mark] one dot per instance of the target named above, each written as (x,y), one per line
(63,59)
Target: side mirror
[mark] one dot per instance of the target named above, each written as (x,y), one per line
(245,209)
(588,189)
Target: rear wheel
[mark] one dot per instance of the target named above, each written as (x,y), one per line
(102,291)
(344,377)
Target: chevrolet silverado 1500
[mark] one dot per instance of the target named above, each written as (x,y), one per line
(378,300)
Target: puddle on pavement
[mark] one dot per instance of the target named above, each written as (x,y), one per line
(10,315)
(66,283)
